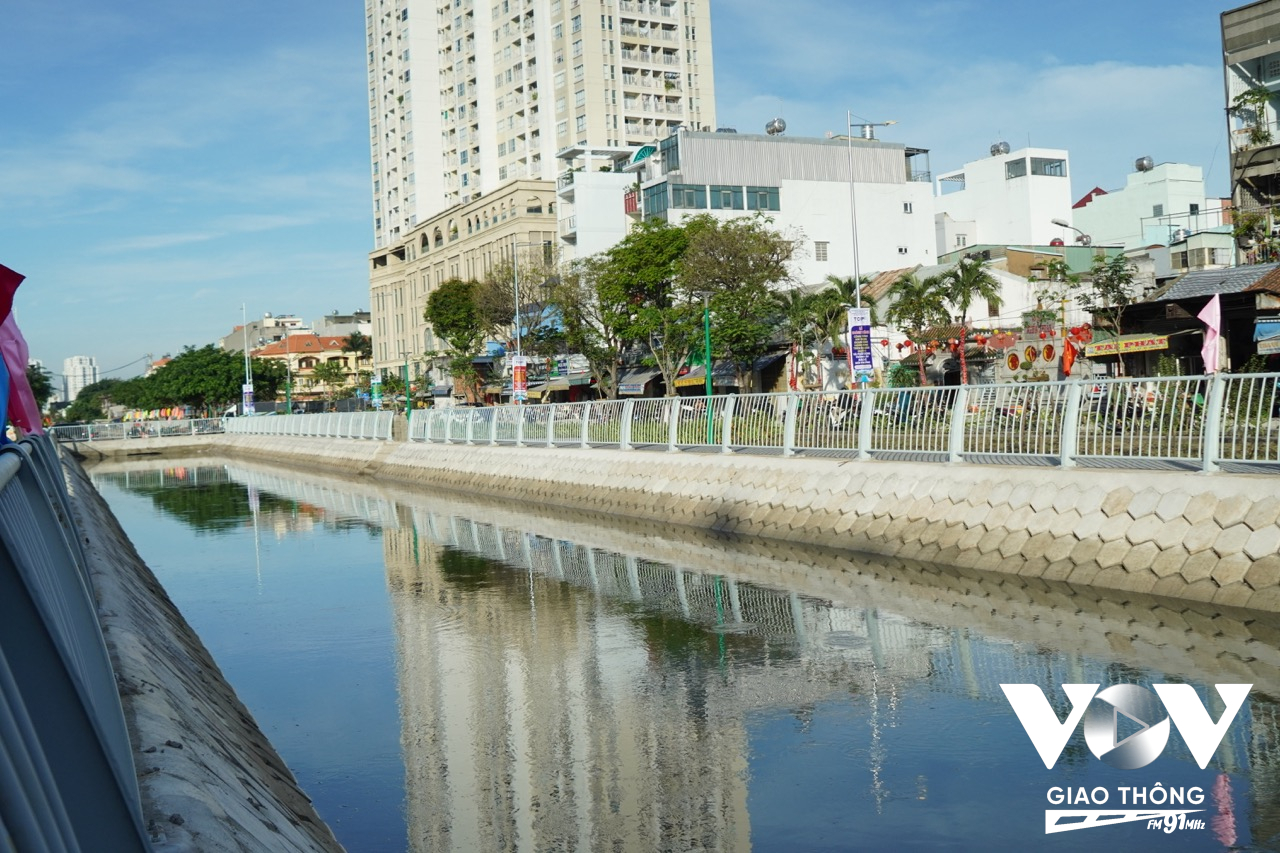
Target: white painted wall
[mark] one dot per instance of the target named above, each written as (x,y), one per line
(1007,210)
(1128,216)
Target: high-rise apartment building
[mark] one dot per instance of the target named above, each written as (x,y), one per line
(466,95)
(78,372)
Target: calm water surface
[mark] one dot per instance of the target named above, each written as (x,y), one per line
(446,675)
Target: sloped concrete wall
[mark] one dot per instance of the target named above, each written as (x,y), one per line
(1203,537)
(209,778)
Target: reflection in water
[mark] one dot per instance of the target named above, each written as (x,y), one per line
(571,682)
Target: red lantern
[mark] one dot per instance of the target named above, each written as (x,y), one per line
(907,343)
(899,347)
(884,342)
(981,340)
(1043,336)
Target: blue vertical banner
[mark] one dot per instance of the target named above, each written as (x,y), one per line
(861,365)
(247,389)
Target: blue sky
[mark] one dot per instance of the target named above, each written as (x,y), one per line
(163,163)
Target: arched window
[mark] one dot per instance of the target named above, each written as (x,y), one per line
(533,205)
(439,238)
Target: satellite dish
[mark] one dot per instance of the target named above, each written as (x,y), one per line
(1144,164)
(775,127)
(999,148)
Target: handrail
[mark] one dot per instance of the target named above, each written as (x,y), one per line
(1204,423)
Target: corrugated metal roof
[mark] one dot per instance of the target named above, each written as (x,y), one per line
(1200,283)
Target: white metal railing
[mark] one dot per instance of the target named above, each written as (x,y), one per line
(1199,423)
(135,429)
(356,425)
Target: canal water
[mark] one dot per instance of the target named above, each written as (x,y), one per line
(445,674)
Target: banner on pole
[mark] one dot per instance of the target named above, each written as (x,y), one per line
(861,365)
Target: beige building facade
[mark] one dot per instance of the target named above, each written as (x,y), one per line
(465,242)
(466,95)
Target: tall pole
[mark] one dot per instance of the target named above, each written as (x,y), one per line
(853,214)
(288,369)
(408,400)
(515,277)
(706,337)
(246,395)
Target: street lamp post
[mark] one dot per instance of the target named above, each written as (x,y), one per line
(515,278)
(706,352)
(408,400)
(1082,238)
(288,369)
(868,132)
(246,396)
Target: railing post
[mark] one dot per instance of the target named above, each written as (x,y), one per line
(520,410)
(789,426)
(1070,434)
(1214,410)
(448,425)
(551,426)
(955,439)
(586,419)
(726,423)
(471,426)
(624,429)
(673,425)
(493,425)
(866,411)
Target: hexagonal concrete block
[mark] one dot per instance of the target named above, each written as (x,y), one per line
(1200,507)
(1021,495)
(1040,521)
(1231,510)
(1064,524)
(1231,569)
(1264,573)
(970,538)
(976,515)
(1065,497)
(1232,540)
(998,493)
(1263,543)
(1141,557)
(990,541)
(1202,535)
(1042,500)
(1199,566)
(1085,551)
(1144,503)
(1037,545)
(998,517)
(1113,553)
(1235,595)
(1172,533)
(1265,512)
(1144,529)
(1089,526)
(1117,501)
(1172,504)
(1115,528)
(1060,549)
(1169,561)
(1090,498)
(1266,600)
(1013,542)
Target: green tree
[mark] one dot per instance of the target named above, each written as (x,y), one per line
(966,281)
(332,375)
(456,318)
(360,344)
(41,382)
(738,262)
(917,304)
(594,317)
(206,378)
(1110,291)
(92,401)
(641,272)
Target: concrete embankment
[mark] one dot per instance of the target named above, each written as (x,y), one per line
(209,779)
(1202,537)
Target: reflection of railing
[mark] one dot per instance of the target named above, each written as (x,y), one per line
(375,425)
(136,429)
(1204,423)
(71,781)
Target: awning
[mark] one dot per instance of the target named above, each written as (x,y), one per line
(562,383)
(1266,327)
(1126,344)
(491,389)
(765,360)
(722,374)
(633,381)
(536,390)
(441,390)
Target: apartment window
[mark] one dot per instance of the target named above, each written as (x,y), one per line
(577,72)
(820,250)
(906,207)
(962,240)
(1015,168)
(562,128)
(579,97)
(689,196)
(655,201)
(669,148)
(581,124)
(576,23)
(763,198)
(1195,209)
(726,198)
(577,47)
(1157,210)
(1049,167)
(902,250)
(559,79)
(557,31)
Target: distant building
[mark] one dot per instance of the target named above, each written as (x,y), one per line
(803,185)
(300,354)
(259,332)
(341,325)
(78,372)
(1159,204)
(1011,197)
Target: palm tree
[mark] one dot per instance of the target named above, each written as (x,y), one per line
(851,295)
(917,305)
(964,283)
